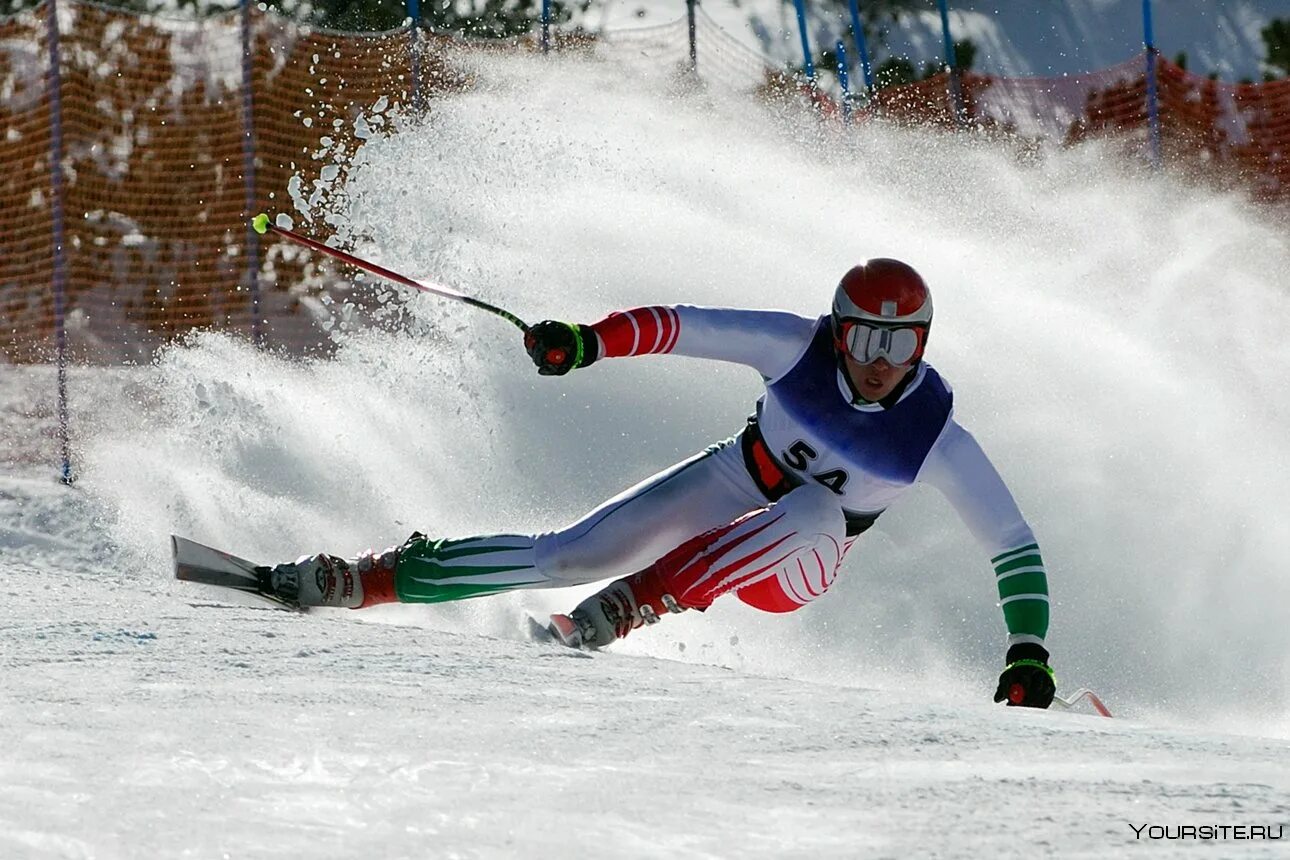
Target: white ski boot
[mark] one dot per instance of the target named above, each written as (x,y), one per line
(614,611)
(327,580)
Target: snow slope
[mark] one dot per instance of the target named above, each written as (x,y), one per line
(137,725)
(1115,340)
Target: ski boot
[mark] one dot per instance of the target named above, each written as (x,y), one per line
(616,610)
(327,580)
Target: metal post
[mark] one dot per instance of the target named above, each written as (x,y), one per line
(844,81)
(248,174)
(694,46)
(862,45)
(1153,93)
(546,26)
(414,47)
(59,234)
(806,43)
(956,89)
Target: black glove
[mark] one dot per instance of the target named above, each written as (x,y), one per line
(1028,681)
(558,347)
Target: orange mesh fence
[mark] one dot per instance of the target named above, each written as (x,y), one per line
(26,238)
(154,180)
(1067,109)
(153,130)
(1229,134)
(152,123)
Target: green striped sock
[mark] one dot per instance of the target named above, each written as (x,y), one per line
(1023,590)
(437,571)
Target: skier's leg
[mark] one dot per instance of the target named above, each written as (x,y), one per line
(627,532)
(778,558)
(797,583)
(636,527)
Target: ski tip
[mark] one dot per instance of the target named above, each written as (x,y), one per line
(538,631)
(564,630)
(545,633)
(260,223)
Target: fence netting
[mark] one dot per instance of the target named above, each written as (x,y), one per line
(153,139)
(1231,135)
(155,175)
(26,236)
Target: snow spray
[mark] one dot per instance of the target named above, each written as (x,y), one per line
(1115,339)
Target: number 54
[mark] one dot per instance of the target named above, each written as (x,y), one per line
(799,456)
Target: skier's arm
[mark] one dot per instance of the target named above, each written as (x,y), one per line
(769,341)
(965,476)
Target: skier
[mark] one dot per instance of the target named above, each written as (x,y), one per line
(852,416)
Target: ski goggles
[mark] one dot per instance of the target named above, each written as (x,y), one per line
(867,342)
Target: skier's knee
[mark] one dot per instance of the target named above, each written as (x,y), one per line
(769,595)
(814,513)
(803,578)
(813,509)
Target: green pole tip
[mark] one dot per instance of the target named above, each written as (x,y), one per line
(260,223)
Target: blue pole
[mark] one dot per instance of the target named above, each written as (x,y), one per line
(694,41)
(946,38)
(414,47)
(956,90)
(1153,94)
(844,81)
(806,44)
(546,26)
(862,45)
(248,174)
(59,230)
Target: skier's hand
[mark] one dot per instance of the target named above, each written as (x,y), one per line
(558,347)
(1028,679)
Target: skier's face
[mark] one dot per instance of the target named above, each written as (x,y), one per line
(874,380)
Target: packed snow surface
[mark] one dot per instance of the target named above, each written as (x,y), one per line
(1115,340)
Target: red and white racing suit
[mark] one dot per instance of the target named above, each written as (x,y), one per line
(769,514)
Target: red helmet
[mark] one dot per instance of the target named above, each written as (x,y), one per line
(882,309)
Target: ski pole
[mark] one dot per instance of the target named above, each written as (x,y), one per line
(261,225)
(1070,701)
(1017,695)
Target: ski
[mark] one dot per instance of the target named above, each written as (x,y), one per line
(537,631)
(207,566)
(548,633)
(564,630)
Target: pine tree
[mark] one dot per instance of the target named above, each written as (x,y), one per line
(1276,40)
(489,19)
